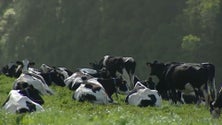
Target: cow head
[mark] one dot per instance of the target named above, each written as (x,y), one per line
(215,107)
(156,67)
(32,93)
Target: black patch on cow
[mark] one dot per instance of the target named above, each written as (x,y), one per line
(87,97)
(190,99)
(21,85)
(151,102)
(22,110)
(31,106)
(75,86)
(32,94)
(93,87)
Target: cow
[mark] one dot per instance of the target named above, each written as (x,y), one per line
(22,101)
(216,106)
(91,92)
(36,80)
(62,70)
(175,76)
(14,69)
(117,64)
(39,80)
(142,96)
(11,70)
(99,90)
(78,77)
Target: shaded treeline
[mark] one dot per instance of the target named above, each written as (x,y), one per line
(73,33)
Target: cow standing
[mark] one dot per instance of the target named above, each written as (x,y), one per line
(175,76)
(116,64)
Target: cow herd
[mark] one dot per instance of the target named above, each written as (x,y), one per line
(179,82)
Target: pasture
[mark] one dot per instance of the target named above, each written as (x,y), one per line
(60,109)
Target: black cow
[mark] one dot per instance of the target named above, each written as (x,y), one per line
(175,76)
(216,106)
(118,64)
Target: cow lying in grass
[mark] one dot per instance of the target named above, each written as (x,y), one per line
(21,101)
(99,90)
(142,96)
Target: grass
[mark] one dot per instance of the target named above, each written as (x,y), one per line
(60,109)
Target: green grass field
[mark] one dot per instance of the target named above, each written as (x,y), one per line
(60,109)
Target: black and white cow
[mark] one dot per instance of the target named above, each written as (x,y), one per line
(175,76)
(14,69)
(11,70)
(62,70)
(99,90)
(25,100)
(82,74)
(76,79)
(117,64)
(216,106)
(142,96)
(37,81)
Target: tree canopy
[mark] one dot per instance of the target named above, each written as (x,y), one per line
(73,33)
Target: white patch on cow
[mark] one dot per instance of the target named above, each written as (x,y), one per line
(188,88)
(128,59)
(45,68)
(142,94)
(105,59)
(101,96)
(74,78)
(17,101)
(37,83)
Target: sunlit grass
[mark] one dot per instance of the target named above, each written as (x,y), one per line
(60,109)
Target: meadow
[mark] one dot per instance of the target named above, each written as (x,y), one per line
(60,109)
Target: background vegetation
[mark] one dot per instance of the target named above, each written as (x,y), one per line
(73,33)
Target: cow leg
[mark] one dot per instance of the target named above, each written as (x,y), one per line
(173,95)
(198,96)
(178,96)
(205,94)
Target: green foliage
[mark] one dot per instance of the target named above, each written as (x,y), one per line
(55,31)
(190,42)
